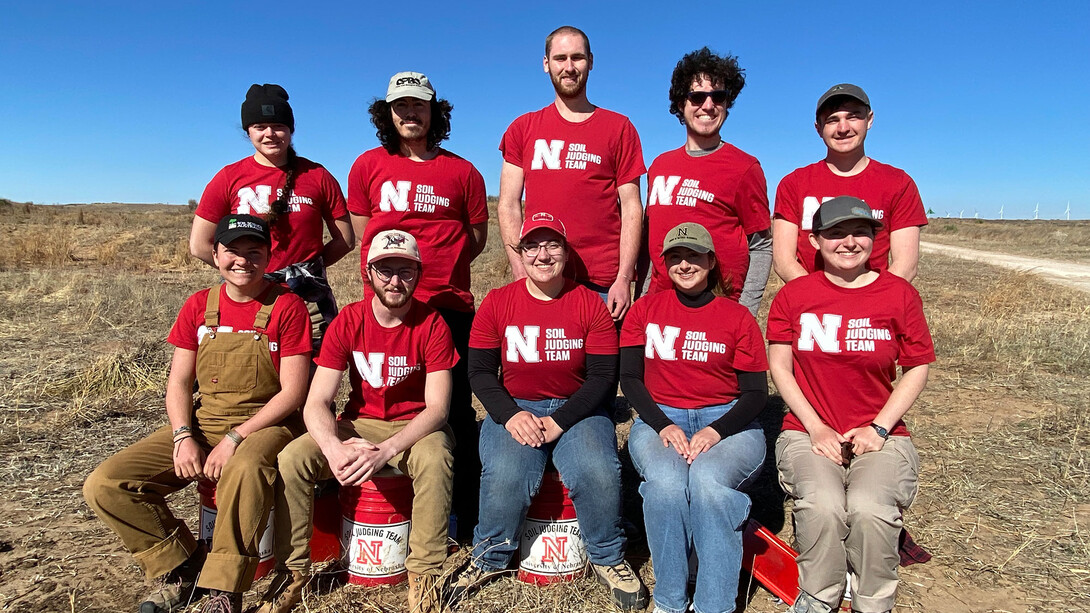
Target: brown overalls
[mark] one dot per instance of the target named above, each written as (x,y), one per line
(236,378)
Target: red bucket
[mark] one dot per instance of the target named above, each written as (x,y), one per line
(551,548)
(207,490)
(375,529)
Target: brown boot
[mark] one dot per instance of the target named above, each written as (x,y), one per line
(423,593)
(285,591)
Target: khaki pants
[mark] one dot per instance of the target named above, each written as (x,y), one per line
(128,492)
(848,516)
(429,463)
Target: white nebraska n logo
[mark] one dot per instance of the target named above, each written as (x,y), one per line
(395,197)
(526,346)
(662,190)
(547,153)
(660,341)
(370,368)
(251,202)
(824,332)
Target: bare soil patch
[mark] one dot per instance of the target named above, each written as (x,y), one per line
(1003,427)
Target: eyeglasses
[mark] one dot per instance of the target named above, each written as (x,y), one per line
(719,96)
(385,273)
(532,249)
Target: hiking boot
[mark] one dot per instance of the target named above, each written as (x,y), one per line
(423,593)
(177,588)
(285,591)
(223,602)
(625,587)
(469,581)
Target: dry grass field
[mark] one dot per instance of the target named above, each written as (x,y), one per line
(88,293)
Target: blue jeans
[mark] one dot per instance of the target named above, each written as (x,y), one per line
(696,506)
(585,455)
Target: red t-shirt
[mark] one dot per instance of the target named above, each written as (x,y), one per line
(889,192)
(690,354)
(543,343)
(288,331)
(572,170)
(724,191)
(436,201)
(387,366)
(249,188)
(847,344)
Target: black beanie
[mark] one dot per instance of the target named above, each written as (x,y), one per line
(267,103)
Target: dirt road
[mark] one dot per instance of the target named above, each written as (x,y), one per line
(1056,271)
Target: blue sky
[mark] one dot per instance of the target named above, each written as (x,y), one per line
(985,104)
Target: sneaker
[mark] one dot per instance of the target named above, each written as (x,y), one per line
(285,591)
(223,602)
(177,588)
(625,587)
(423,593)
(469,581)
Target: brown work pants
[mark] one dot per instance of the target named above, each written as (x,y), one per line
(128,492)
(429,463)
(848,516)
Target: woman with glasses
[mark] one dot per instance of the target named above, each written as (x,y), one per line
(297,197)
(693,365)
(542,360)
(836,338)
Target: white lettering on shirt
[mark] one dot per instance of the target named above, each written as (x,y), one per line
(660,341)
(662,190)
(254,200)
(823,332)
(370,367)
(395,197)
(546,154)
(522,342)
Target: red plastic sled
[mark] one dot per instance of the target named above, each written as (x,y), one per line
(771,561)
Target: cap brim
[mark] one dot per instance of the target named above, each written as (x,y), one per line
(694,246)
(420,93)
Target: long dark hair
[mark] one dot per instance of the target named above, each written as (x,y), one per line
(280,205)
(386,131)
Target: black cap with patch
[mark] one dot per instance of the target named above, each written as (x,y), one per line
(233,227)
(267,103)
(840,209)
(843,89)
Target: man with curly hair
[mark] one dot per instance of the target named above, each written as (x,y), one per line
(583,164)
(410,183)
(843,118)
(711,182)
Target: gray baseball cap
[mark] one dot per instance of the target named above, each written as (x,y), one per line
(411,85)
(840,209)
(691,235)
(843,89)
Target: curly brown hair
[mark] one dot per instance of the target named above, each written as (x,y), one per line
(703,63)
(383,120)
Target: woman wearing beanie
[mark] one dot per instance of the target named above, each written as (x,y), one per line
(295,195)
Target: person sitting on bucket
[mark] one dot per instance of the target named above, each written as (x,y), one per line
(556,345)
(399,354)
(693,365)
(243,418)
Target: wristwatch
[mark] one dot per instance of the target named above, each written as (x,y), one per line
(882,432)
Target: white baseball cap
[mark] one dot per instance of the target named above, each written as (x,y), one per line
(411,85)
(393,244)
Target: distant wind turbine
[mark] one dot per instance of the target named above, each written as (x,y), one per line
(1001,212)
(1035,209)
(1067,213)
(961,214)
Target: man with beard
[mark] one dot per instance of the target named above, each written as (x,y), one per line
(711,182)
(399,354)
(582,163)
(411,183)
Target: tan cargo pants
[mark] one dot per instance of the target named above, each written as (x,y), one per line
(128,492)
(848,516)
(429,463)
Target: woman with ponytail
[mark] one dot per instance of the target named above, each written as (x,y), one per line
(296,196)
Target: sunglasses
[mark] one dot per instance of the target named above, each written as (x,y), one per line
(719,96)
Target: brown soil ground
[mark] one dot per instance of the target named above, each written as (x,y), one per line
(87,293)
